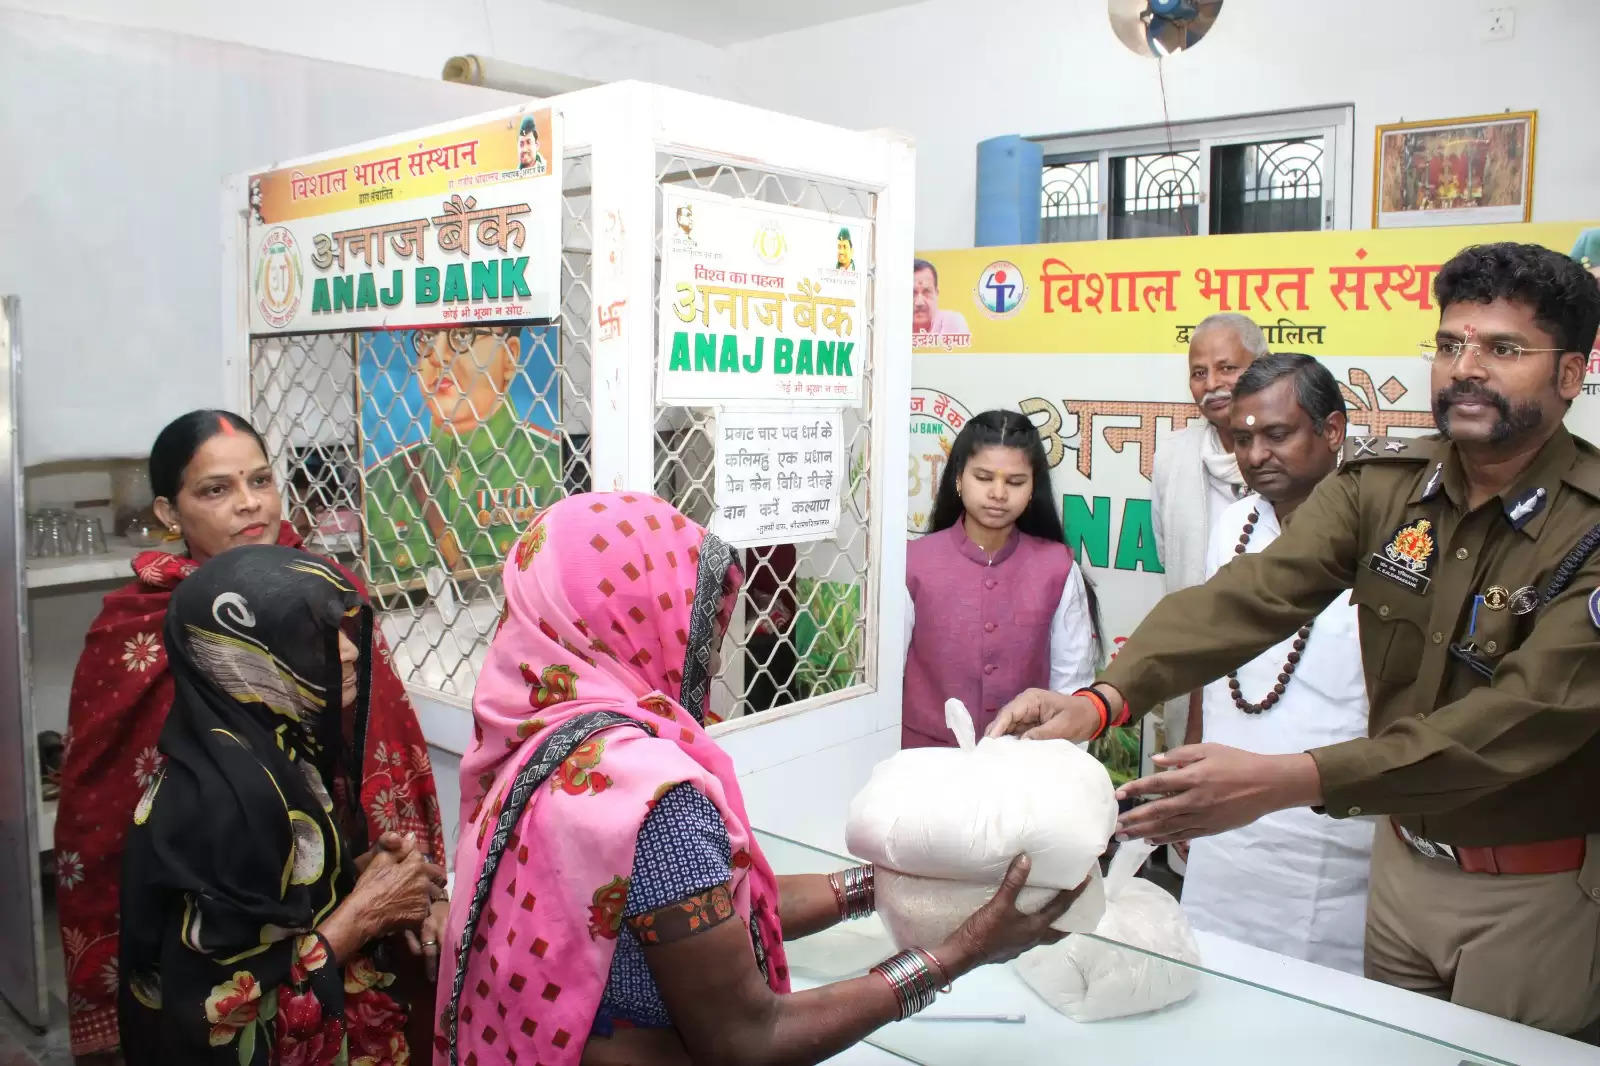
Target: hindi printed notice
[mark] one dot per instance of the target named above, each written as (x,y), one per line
(768,491)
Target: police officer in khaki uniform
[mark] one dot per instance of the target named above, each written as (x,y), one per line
(1473,564)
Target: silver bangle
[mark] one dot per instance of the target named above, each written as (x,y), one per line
(913,978)
(855,890)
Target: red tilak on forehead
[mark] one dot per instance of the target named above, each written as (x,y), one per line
(1471,332)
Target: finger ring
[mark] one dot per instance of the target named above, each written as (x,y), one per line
(430,943)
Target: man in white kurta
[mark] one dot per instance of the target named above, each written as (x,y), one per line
(1194,478)
(1194,475)
(1293,882)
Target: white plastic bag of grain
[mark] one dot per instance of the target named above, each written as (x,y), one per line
(1089,980)
(922,912)
(962,814)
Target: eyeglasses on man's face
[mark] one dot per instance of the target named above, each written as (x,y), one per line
(459,338)
(1489,353)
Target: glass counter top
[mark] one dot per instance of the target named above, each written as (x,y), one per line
(1226,1020)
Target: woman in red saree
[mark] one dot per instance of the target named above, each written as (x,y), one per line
(215,489)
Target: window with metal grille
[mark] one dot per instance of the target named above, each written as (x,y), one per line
(1278,172)
(1071,201)
(1267,187)
(1156,195)
(497,414)
(799,628)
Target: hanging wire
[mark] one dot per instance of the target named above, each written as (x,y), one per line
(1166,125)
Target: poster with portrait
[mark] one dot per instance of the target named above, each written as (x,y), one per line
(459,446)
(460,223)
(1092,343)
(761,302)
(1454,172)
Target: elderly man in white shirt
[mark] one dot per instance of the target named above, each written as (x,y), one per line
(1294,882)
(1195,477)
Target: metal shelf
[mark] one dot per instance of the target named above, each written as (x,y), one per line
(114,565)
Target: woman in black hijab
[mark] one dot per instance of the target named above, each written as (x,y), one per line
(251,917)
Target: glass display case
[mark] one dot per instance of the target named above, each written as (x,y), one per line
(992,1016)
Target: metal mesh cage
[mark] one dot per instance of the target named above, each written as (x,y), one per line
(799,629)
(359,424)
(494,418)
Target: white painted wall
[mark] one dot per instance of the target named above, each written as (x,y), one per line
(118,142)
(121,121)
(952,73)
(945,71)
(416,36)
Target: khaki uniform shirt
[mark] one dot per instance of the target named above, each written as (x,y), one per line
(1457,757)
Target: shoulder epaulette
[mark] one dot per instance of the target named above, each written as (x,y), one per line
(1584,474)
(1402,449)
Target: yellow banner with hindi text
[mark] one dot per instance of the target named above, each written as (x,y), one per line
(1354,293)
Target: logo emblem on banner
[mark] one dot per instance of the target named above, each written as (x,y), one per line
(771,245)
(1001,290)
(280,277)
(936,418)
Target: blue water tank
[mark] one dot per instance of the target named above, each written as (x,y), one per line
(1010,182)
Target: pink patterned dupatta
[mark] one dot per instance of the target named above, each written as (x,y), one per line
(611,604)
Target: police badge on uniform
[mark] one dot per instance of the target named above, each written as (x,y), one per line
(1525,600)
(1594,608)
(1408,557)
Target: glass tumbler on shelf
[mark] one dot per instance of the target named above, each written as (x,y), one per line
(91,539)
(57,541)
(145,531)
(131,494)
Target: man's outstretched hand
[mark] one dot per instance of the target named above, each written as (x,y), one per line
(1211,788)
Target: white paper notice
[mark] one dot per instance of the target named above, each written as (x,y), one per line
(780,476)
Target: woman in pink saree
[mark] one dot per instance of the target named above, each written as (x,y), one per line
(612,903)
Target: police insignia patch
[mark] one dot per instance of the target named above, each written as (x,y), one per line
(1407,557)
(1594,607)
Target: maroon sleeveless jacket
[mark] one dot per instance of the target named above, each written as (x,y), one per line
(982,628)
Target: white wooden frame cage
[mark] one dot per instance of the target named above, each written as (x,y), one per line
(622,145)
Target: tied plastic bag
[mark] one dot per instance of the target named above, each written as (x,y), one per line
(924,911)
(1089,980)
(943,824)
(962,814)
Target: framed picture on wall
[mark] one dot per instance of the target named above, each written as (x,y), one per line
(1454,171)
